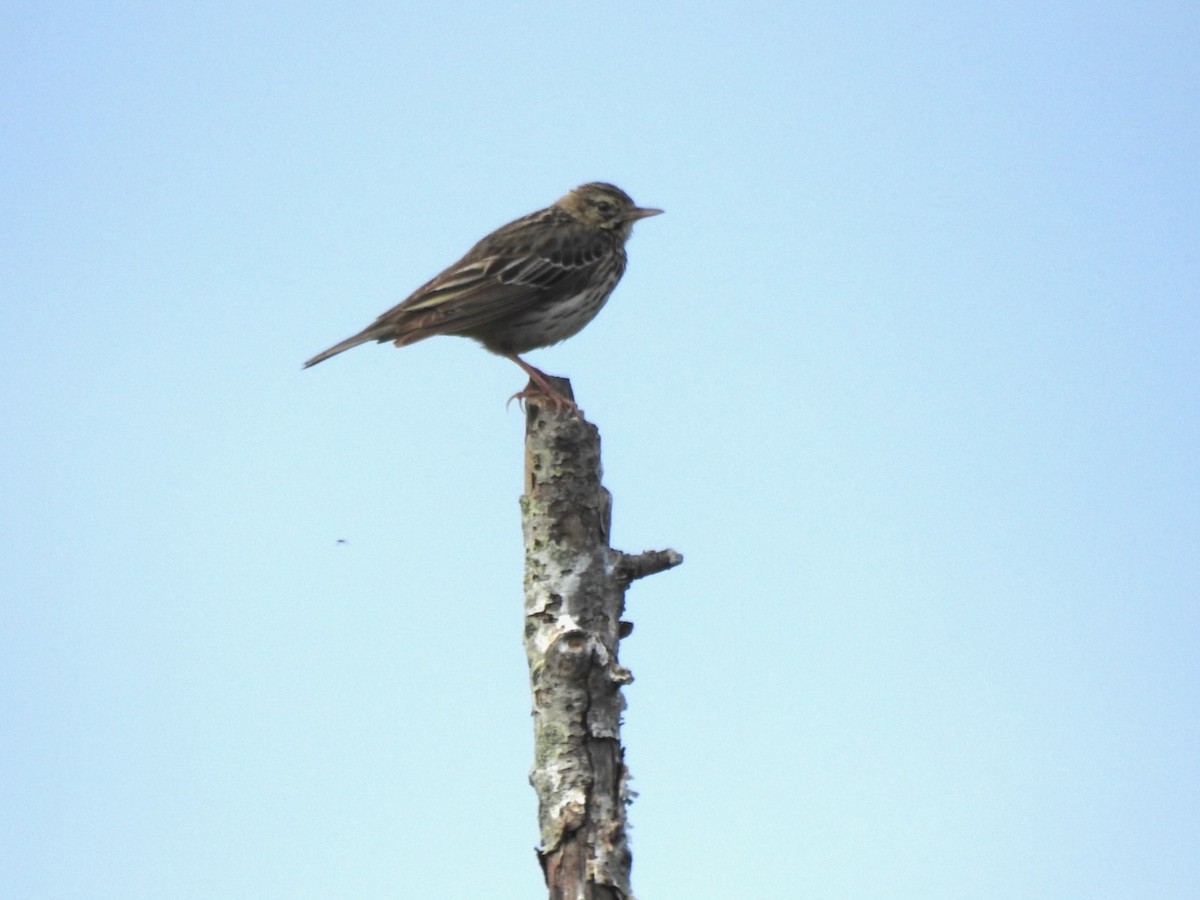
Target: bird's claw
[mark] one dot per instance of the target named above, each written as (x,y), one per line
(555,399)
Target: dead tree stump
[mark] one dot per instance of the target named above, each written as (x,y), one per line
(574,598)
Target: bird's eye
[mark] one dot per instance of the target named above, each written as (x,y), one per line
(605,208)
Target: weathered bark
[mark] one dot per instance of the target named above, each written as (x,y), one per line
(574,597)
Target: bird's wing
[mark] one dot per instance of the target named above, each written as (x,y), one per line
(506,273)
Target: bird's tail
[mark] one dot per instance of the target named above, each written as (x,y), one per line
(388,327)
(361,338)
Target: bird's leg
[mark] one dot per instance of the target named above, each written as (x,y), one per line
(539,378)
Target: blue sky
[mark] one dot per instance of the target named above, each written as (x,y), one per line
(908,372)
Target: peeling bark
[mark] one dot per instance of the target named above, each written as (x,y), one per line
(574,597)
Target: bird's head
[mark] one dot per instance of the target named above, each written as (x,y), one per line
(606,206)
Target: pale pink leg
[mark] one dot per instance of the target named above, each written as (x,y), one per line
(539,378)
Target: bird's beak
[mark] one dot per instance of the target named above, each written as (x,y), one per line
(638,213)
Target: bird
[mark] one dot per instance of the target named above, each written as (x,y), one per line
(531,283)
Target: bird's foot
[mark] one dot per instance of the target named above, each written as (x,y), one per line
(538,392)
(540,388)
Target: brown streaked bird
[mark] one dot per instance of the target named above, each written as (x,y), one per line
(528,284)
